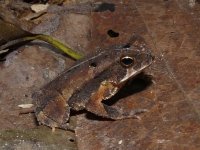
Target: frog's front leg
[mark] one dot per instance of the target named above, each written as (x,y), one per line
(106,90)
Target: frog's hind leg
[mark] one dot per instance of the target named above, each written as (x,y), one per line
(55,113)
(96,106)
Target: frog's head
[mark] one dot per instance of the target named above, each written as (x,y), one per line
(131,59)
(127,62)
(134,60)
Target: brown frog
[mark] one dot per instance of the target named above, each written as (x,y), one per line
(90,81)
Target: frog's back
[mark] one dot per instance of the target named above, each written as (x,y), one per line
(72,79)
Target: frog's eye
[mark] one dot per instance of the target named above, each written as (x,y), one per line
(127,61)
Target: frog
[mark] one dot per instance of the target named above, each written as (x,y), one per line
(91,81)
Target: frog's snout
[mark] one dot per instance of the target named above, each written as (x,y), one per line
(150,58)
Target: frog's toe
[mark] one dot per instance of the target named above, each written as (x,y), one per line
(138,111)
(53,129)
(135,113)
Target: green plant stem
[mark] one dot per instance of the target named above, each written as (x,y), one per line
(47,39)
(56,44)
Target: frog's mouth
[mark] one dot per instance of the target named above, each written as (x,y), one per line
(131,72)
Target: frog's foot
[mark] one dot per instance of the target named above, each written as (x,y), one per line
(53,124)
(117,113)
(67,126)
(44,120)
(114,112)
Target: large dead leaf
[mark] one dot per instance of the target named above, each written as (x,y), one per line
(173,100)
(9,32)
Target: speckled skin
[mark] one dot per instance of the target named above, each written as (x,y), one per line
(88,82)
